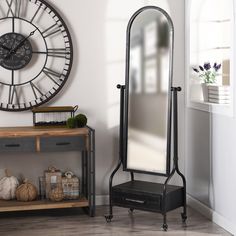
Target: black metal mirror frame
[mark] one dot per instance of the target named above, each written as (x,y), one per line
(124,149)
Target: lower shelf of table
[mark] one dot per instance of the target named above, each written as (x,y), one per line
(13,205)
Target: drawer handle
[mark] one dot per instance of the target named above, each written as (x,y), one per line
(63,144)
(12,145)
(136,201)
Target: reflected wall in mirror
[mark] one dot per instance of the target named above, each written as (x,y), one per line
(148,83)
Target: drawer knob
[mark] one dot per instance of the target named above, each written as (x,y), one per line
(63,143)
(12,145)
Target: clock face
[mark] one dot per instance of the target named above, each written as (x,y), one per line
(36,53)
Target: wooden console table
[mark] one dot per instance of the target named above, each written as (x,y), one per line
(31,139)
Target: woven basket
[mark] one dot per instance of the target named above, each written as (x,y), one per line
(71,187)
(52,179)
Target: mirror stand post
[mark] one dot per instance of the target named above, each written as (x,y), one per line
(175,91)
(122,118)
(174,99)
(122,102)
(121,148)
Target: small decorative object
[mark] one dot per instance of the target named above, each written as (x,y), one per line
(70,186)
(53,116)
(8,186)
(2,173)
(71,123)
(52,179)
(42,190)
(207,74)
(219,94)
(205,92)
(81,120)
(69,174)
(56,194)
(26,192)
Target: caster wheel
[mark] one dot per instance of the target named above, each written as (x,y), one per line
(184,217)
(108,218)
(131,210)
(165,227)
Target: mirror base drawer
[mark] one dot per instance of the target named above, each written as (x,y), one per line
(136,201)
(147,196)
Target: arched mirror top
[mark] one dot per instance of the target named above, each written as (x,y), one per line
(152,13)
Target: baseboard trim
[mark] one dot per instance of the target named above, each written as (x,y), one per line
(211,214)
(102,200)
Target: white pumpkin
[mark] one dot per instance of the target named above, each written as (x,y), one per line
(2,173)
(8,186)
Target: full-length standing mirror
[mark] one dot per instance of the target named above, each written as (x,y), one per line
(149,68)
(145,119)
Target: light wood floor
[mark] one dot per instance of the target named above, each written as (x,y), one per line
(75,222)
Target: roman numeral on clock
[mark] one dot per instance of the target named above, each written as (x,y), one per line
(51,74)
(56,52)
(35,14)
(53,29)
(13,95)
(14,7)
(59,52)
(36,90)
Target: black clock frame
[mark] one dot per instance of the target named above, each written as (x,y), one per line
(48,53)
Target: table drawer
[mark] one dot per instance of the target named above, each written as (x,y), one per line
(68,143)
(137,201)
(17,145)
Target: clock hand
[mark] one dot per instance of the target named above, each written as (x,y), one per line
(13,50)
(4,47)
(22,42)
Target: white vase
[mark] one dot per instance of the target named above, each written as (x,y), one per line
(205,92)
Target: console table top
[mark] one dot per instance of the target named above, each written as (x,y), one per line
(30,131)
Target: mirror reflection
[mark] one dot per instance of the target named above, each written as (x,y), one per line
(149,82)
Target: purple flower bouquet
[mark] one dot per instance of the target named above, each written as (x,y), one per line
(207,73)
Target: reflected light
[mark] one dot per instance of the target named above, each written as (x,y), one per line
(117,17)
(150,48)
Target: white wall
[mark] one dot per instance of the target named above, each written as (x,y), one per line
(98,31)
(210,164)
(210,158)
(210,161)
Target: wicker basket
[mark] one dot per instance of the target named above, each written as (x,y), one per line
(70,186)
(52,179)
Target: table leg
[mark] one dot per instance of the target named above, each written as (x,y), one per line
(91,173)
(84,189)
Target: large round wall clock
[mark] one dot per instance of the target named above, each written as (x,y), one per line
(36,53)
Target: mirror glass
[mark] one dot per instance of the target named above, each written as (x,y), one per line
(148,79)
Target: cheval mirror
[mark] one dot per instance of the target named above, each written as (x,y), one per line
(147,97)
(147,108)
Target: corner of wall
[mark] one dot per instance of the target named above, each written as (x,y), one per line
(211,214)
